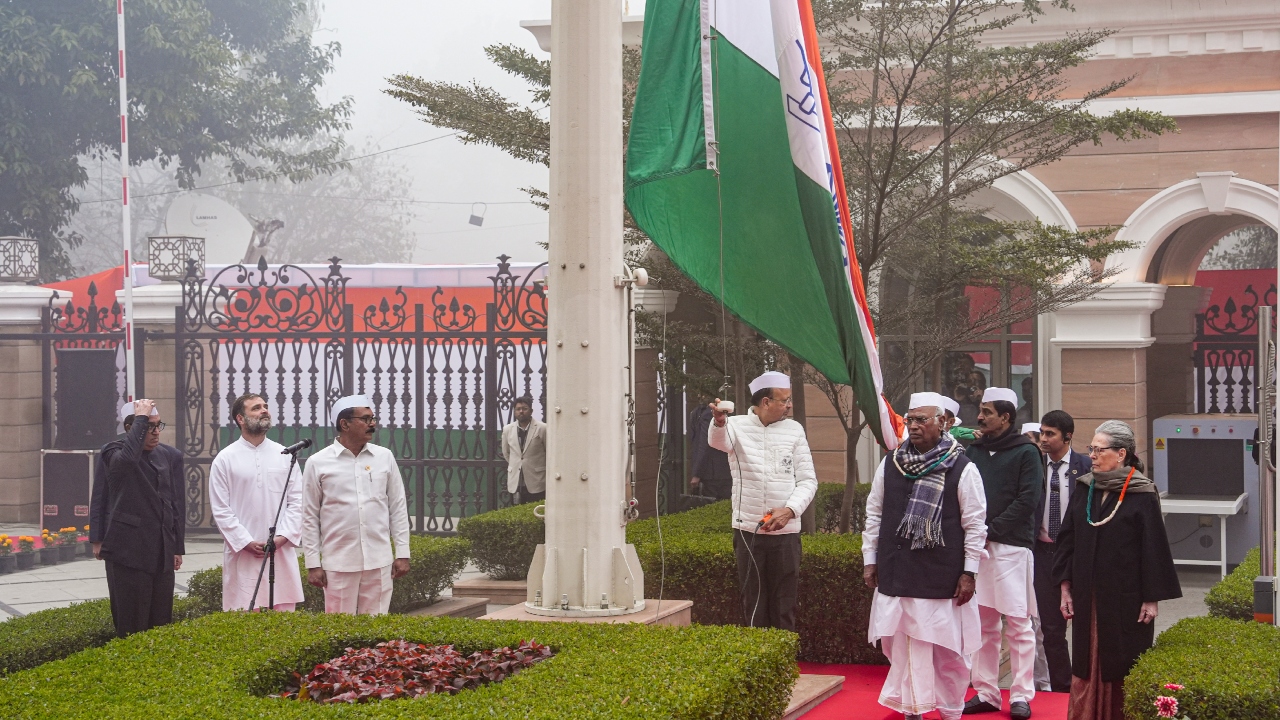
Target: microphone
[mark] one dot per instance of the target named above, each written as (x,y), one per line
(300,445)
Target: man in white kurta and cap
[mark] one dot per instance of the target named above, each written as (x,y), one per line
(1012,472)
(773,483)
(921,546)
(355,522)
(246,482)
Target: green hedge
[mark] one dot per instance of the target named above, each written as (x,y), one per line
(503,541)
(1232,597)
(53,634)
(434,564)
(826,505)
(224,664)
(1230,670)
(834,606)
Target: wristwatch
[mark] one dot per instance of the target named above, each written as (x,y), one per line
(972,575)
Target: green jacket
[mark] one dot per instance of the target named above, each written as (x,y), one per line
(1013,479)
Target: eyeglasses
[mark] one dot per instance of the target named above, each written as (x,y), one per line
(910,420)
(366,419)
(1098,450)
(155,427)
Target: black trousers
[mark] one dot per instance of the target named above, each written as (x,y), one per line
(718,488)
(140,600)
(769,597)
(1052,624)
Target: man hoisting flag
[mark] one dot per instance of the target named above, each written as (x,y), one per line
(734,171)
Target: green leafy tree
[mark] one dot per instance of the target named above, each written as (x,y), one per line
(231,79)
(929,114)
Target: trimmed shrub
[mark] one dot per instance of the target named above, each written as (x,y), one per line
(503,541)
(1232,597)
(434,564)
(53,634)
(1228,670)
(225,664)
(834,606)
(827,506)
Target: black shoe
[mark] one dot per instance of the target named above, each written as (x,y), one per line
(1020,710)
(977,705)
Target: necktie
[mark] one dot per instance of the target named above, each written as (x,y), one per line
(1055,503)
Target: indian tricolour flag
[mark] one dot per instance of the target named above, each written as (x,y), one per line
(733,170)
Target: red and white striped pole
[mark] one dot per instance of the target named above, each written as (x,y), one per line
(126,238)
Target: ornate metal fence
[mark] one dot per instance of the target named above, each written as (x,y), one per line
(1225,352)
(442,376)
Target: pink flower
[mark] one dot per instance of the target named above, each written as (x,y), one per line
(1173,686)
(1166,707)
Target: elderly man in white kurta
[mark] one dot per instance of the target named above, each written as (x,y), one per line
(355,523)
(921,545)
(246,482)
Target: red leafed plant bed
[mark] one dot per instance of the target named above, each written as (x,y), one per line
(401,669)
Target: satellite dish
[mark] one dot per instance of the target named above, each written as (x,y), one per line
(226,231)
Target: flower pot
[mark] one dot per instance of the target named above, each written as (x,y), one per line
(48,555)
(67,553)
(26,560)
(8,563)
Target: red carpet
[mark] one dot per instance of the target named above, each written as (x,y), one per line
(857,700)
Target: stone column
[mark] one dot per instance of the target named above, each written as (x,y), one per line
(21,402)
(1102,347)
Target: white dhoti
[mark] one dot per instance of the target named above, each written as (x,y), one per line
(928,643)
(1005,588)
(366,592)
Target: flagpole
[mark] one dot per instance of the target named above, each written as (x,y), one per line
(126,232)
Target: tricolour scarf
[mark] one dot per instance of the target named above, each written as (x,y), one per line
(922,522)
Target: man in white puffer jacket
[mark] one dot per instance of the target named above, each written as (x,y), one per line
(773,482)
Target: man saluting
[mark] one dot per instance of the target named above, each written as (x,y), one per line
(353,509)
(921,547)
(245,484)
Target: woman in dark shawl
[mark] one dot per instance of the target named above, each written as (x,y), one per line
(1114,566)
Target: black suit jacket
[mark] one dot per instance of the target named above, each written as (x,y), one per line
(145,507)
(1079,466)
(98,501)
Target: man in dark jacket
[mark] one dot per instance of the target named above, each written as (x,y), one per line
(145,526)
(1064,468)
(708,467)
(1012,475)
(98,520)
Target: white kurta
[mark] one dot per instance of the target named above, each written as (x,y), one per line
(1006,581)
(245,485)
(939,621)
(353,509)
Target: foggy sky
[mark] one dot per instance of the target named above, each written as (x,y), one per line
(440,41)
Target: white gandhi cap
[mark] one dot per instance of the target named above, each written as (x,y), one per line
(993,394)
(127,409)
(926,399)
(350,401)
(1030,427)
(950,405)
(771,379)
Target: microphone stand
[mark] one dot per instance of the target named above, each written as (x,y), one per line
(270,557)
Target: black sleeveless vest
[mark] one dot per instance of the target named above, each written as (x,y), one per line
(923,573)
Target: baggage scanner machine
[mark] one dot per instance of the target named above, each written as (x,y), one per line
(1204,468)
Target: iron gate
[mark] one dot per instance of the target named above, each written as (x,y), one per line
(442,375)
(1225,352)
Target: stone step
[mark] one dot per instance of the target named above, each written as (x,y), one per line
(459,607)
(809,692)
(670,612)
(499,592)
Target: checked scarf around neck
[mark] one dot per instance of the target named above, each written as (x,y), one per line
(922,522)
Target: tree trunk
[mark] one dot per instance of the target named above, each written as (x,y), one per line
(851,438)
(808,518)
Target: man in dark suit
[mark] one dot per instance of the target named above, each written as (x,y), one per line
(98,500)
(1063,469)
(145,526)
